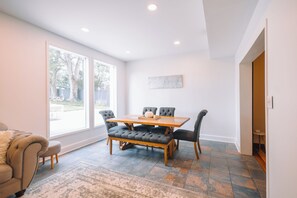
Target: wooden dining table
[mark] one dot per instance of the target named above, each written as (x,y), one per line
(166,121)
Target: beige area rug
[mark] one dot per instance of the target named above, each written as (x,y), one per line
(89,181)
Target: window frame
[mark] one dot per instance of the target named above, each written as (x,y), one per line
(86,94)
(113,92)
(89,88)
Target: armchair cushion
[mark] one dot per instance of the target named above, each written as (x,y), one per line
(5,172)
(5,139)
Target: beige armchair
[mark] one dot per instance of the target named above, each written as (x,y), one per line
(22,163)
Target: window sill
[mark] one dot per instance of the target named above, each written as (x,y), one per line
(68,133)
(75,132)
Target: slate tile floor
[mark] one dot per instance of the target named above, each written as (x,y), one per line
(220,171)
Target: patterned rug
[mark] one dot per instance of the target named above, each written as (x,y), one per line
(93,182)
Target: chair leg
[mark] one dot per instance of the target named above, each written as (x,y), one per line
(57,158)
(196,150)
(20,193)
(107,140)
(43,160)
(110,146)
(52,162)
(177,144)
(198,142)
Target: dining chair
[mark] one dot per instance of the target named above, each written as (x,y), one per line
(192,136)
(110,126)
(143,127)
(164,111)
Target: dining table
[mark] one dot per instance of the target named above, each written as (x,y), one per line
(169,122)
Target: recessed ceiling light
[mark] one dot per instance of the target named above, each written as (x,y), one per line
(85,29)
(176,42)
(152,7)
(128,52)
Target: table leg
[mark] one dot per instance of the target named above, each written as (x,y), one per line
(168,130)
(126,145)
(130,126)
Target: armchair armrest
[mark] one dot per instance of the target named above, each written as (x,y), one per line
(23,155)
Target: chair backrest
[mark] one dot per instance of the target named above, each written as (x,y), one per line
(152,109)
(106,114)
(198,123)
(166,111)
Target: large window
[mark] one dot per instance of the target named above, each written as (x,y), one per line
(67,91)
(104,89)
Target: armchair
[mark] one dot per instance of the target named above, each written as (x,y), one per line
(21,163)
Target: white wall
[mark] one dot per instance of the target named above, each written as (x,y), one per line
(281,59)
(208,84)
(23,70)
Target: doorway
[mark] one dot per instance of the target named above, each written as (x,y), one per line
(246,95)
(258,110)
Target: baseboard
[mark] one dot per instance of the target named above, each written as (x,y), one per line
(80,144)
(217,138)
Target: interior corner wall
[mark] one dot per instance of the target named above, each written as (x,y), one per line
(207,84)
(281,59)
(23,71)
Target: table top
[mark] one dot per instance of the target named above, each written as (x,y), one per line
(167,121)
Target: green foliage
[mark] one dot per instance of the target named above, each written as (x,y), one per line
(101,76)
(66,71)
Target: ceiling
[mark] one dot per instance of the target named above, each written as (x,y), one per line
(118,26)
(226,22)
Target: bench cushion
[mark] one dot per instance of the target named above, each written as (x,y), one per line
(142,136)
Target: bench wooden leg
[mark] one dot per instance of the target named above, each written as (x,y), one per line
(110,146)
(52,161)
(165,155)
(196,150)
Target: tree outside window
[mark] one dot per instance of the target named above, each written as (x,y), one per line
(66,94)
(104,89)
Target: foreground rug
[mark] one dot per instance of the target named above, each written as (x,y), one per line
(93,182)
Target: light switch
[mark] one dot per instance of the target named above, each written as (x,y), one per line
(270,102)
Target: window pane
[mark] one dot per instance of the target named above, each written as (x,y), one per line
(67,96)
(104,89)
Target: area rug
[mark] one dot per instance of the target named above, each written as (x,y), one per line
(90,181)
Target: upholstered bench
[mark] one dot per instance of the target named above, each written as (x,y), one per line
(54,147)
(144,138)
